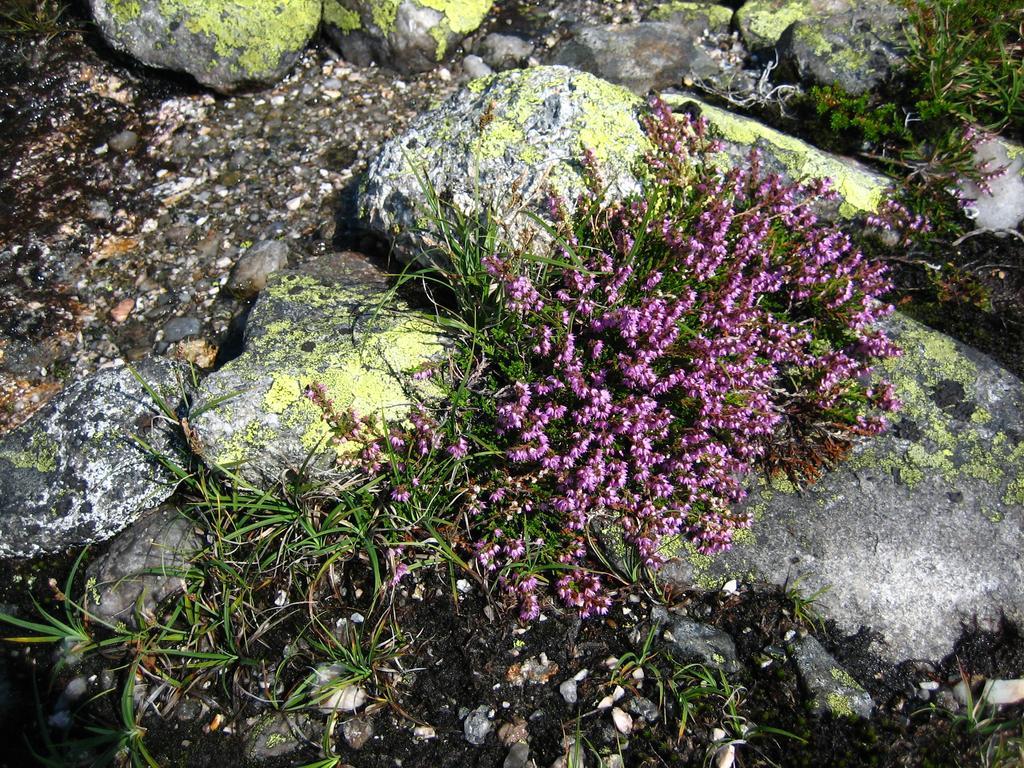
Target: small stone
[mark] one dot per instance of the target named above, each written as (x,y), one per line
(357,732)
(645,708)
(517,756)
(568,691)
(505,51)
(124,141)
(121,310)
(478,725)
(199,352)
(831,688)
(424,732)
(623,722)
(178,328)
(348,698)
(250,273)
(512,733)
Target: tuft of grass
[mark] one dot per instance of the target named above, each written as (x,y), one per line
(33,18)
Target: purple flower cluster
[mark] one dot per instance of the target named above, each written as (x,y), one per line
(686,331)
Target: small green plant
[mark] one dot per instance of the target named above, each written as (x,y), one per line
(802,605)
(45,18)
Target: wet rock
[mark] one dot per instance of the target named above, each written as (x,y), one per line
(74,474)
(829,686)
(640,57)
(690,641)
(223,45)
(920,529)
(855,45)
(478,725)
(305,331)
(1001,205)
(178,328)
(505,51)
(860,189)
(408,35)
(250,273)
(695,18)
(504,142)
(357,732)
(143,566)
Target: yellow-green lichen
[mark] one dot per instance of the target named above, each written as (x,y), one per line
(384,13)
(860,190)
(255,35)
(40,455)
(124,11)
(460,16)
(843,677)
(839,705)
(341,17)
(764,21)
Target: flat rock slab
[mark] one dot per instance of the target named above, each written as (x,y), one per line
(253,415)
(921,529)
(74,473)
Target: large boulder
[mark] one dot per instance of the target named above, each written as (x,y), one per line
(75,473)
(860,189)
(222,44)
(307,330)
(921,529)
(504,143)
(855,44)
(408,35)
(644,56)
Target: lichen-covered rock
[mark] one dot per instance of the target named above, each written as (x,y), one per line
(143,566)
(860,189)
(831,688)
(408,35)
(74,473)
(688,641)
(305,330)
(694,17)
(504,143)
(857,48)
(921,528)
(222,44)
(641,56)
(855,44)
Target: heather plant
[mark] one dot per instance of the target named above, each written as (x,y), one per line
(633,374)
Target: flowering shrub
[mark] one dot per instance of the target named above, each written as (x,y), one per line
(641,369)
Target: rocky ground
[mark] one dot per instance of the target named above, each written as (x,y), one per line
(129,198)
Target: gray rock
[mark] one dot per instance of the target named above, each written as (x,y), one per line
(305,330)
(505,51)
(144,565)
(249,275)
(920,529)
(74,474)
(860,189)
(408,35)
(568,691)
(473,67)
(478,725)
(690,641)
(517,756)
(504,143)
(124,141)
(222,45)
(857,49)
(830,687)
(644,56)
(178,328)
(696,18)
(278,734)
